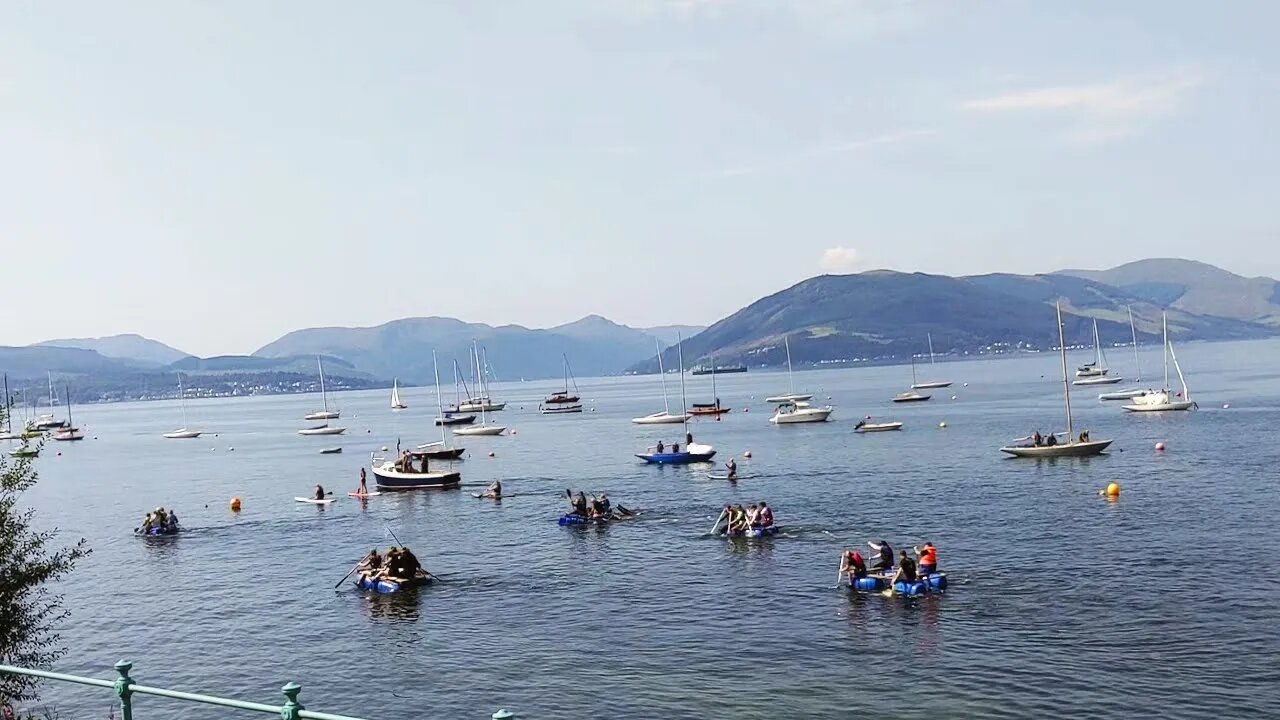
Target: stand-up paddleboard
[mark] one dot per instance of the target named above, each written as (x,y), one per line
(735,478)
(314,501)
(480,496)
(363,495)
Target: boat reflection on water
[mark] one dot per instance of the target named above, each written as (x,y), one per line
(399,607)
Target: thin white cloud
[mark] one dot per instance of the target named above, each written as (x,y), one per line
(839,260)
(1120,97)
(1106,111)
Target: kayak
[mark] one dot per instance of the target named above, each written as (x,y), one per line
(363,495)
(314,501)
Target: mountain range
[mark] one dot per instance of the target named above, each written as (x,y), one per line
(876,316)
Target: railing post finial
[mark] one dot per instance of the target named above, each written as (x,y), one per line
(124,690)
(292,708)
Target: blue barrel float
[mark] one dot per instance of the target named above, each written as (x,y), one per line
(932,583)
(581,520)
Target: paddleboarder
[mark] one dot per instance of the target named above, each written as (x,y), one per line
(732,467)
(494,490)
(364,488)
(319,493)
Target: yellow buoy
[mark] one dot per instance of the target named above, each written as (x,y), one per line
(235,504)
(1113,490)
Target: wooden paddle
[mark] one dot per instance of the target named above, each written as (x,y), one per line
(719,517)
(344,577)
(401,546)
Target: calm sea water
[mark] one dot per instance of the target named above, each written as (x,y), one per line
(1061,604)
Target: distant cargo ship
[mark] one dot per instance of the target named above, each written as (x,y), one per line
(719,369)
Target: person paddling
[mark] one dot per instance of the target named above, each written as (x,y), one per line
(906,571)
(884,556)
(732,467)
(494,490)
(364,487)
(766,516)
(319,493)
(853,564)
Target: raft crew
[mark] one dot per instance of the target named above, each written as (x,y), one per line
(766,516)
(160,521)
(884,556)
(599,507)
(371,562)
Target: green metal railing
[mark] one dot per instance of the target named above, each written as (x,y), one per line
(125,689)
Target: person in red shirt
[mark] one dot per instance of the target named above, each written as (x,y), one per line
(853,564)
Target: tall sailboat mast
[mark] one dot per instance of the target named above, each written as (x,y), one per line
(714,395)
(929,337)
(791,383)
(8,407)
(183,393)
(1066,385)
(1134,332)
(324,395)
(435,365)
(684,403)
(475,350)
(1164,321)
(662,373)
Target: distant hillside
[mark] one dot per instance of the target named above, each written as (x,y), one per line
(885,316)
(125,347)
(1194,287)
(402,348)
(667,334)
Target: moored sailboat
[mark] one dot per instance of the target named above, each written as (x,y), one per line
(396,404)
(791,396)
(1071,446)
(68,432)
(440,450)
(1163,400)
(1097,372)
(484,428)
(183,433)
(664,417)
(692,452)
(562,402)
(912,395)
(1137,366)
(714,408)
(8,433)
(929,384)
(326,413)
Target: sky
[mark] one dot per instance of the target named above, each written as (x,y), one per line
(216,174)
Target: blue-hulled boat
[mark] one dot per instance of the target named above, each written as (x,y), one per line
(386,586)
(158,532)
(695,453)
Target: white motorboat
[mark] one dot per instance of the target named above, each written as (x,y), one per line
(1136,392)
(666,417)
(1071,446)
(1097,380)
(910,396)
(484,428)
(326,413)
(325,429)
(183,433)
(395,395)
(1164,400)
(800,412)
(929,384)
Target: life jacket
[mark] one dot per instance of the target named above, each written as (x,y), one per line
(856,561)
(929,555)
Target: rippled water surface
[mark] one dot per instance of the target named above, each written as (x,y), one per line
(1061,603)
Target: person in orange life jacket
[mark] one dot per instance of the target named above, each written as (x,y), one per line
(928,556)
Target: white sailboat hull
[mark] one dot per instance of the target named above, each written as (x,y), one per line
(1098,380)
(473,406)
(1073,448)
(183,434)
(660,418)
(788,398)
(322,430)
(1159,401)
(878,427)
(481,430)
(801,415)
(1124,394)
(323,415)
(932,385)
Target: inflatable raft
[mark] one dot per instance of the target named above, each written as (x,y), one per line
(582,520)
(932,583)
(754,532)
(156,532)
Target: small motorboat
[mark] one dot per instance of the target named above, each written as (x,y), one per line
(480,430)
(325,429)
(68,434)
(910,396)
(183,434)
(1158,401)
(450,418)
(25,451)
(331,451)
(693,453)
(869,427)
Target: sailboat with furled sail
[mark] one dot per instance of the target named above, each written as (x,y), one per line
(482,402)
(183,433)
(563,402)
(692,452)
(326,413)
(439,450)
(1163,400)
(791,396)
(1096,372)
(714,408)
(665,417)
(929,384)
(8,433)
(1071,446)
(1137,365)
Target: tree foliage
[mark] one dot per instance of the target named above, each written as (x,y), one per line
(30,561)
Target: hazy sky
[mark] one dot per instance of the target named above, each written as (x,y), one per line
(215,174)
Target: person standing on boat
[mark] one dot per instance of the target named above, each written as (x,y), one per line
(732,467)
(364,487)
(1037,439)
(688,439)
(853,564)
(928,559)
(661,447)
(884,556)
(319,493)
(766,516)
